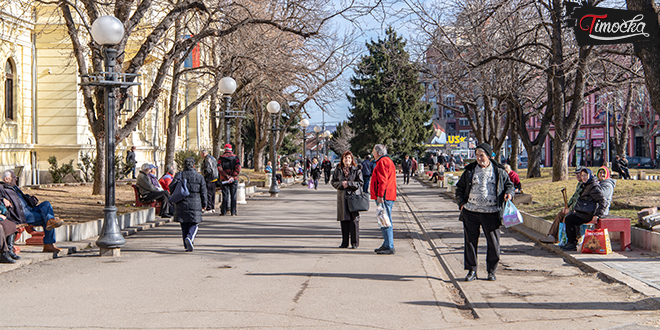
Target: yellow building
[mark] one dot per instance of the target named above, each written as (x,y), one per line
(42,106)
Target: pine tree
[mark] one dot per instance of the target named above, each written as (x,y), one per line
(386,105)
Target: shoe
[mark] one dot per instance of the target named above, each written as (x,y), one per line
(343,246)
(54,223)
(569,247)
(234,215)
(491,276)
(6,259)
(386,251)
(187,243)
(166,216)
(10,246)
(354,246)
(51,248)
(549,239)
(380,248)
(471,276)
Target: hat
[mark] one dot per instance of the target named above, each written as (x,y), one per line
(580,169)
(227,146)
(486,148)
(152,166)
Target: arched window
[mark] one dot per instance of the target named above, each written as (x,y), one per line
(9,91)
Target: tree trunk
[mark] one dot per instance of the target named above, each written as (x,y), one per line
(649,55)
(258,160)
(213,112)
(99,168)
(559,160)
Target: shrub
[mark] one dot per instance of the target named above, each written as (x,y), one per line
(180,156)
(86,167)
(58,173)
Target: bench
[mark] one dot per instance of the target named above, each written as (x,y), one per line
(140,203)
(614,224)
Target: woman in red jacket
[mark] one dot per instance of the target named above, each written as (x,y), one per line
(383,190)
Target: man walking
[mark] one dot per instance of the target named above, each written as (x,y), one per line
(229,168)
(480,194)
(383,190)
(130,160)
(326,165)
(406,166)
(367,169)
(210,174)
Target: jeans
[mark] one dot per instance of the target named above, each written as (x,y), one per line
(38,216)
(229,198)
(388,233)
(365,188)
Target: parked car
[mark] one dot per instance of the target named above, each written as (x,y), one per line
(640,162)
(522,162)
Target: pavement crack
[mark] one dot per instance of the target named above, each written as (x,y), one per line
(303,287)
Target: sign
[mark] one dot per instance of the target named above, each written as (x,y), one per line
(192,61)
(582,133)
(597,143)
(597,134)
(607,26)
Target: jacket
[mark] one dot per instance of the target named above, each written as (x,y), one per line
(406,165)
(15,213)
(592,196)
(503,185)
(165,181)
(144,184)
(210,168)
(608,190)
(326,165)
(367,167)
(316,171)
(355,183)
(383,179)
(189,209)
(229,166)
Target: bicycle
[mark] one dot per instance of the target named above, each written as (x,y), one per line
(243,178)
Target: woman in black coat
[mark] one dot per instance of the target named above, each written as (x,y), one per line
(316,172)
(189,210)
(590,206)
(347,179)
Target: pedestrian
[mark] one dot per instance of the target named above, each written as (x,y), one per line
(608,184)
(316,172)
(367,169)
(188,211)
(406,166)
(347,179)
(210,174)
(229,167)
(413,170)
(589,207)
(452,164)
(166,179)
(481,192)
(326,165)
(553,233)
(130,160)
(383,190)
(623,166)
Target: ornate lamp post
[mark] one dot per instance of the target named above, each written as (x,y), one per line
(227,87)
(273,108)
(304,123)
(108,31)
(317,130)
(326,135)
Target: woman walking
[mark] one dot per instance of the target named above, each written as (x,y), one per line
(189,210)
(316,172)
(347,179)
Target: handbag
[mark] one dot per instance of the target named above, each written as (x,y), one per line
(357,202)
(310,184)
(180,191)
(585,207)
(32,201)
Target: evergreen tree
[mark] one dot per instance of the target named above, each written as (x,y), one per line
(386,106)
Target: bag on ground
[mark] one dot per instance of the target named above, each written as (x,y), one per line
(180,191)
(561,236)
(383,219)
(596,241)
(511,216)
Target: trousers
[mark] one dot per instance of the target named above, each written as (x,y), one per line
(489,222)
(210,194)
(350,228)
(229,198)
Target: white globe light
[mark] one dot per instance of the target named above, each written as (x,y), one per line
(227,85)
(304,122)
(107,30)
(273,107)
(317,129)
(326,133)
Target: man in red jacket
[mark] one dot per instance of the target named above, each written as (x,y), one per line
(383,190)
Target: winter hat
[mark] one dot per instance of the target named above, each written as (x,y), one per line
(486,148)
(227,147)
(607,171)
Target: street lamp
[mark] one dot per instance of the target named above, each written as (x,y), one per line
(326,135)
(470,141)
(304,123)
(317,130)
(108,31)
(227,87)
(273,108)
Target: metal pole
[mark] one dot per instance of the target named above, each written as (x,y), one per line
(227,120)
(274,189)
(607,134)
(317,145)
(110,239)
(304,156)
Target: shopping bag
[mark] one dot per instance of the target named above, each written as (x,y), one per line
(596,241)
(310,184)
(180,191)
(561,236)
(512,216)
(383,219)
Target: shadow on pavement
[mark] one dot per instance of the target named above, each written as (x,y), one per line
(641,305)
(376,277)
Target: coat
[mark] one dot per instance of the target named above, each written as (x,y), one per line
(189,209)
(503,185)
(383,179)
(316,171)
(592,195)
(355,182)
(16,212)
(406,165)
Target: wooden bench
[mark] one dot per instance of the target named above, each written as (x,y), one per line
(140,203)
(614,224)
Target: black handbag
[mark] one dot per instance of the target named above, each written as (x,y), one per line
(358,202)
(585,207)
(32,201)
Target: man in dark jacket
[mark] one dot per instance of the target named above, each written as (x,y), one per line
(189,210)
(367,168)
(326,165)
(406,166)
(480,194)
(130,160)
(229,167)
(210,174)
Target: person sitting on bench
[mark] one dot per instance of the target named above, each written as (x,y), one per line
(150,190)
(7,235)
(439,172)
(26,209)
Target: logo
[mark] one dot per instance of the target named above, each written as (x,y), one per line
(606,26)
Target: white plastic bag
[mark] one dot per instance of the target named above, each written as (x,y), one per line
(511,216)
(383,219)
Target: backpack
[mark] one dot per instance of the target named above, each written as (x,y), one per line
(211,164)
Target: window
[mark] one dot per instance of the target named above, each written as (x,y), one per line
(463,122)
(9,91)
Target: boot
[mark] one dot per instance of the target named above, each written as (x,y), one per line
(51,248)
(6,259)
(10,245)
